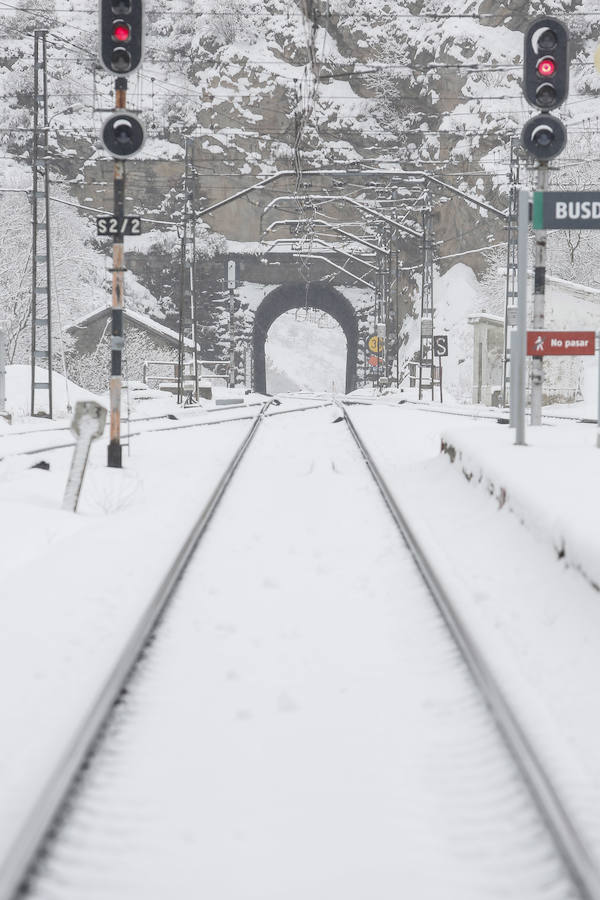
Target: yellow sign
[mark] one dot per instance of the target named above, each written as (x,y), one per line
(597,58)
(375,344)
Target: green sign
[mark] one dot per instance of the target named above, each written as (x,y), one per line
(566,209)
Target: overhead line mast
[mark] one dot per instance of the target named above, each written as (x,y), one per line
(187,300)
(41,284)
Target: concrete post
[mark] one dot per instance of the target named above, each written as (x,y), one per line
(518,351)
(2,373)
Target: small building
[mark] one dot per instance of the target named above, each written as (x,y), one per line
(488,349)
(145,340)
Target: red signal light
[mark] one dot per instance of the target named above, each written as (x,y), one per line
(121,32)
(546,67)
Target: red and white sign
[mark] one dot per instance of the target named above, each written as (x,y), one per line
(374,361)
(561,343)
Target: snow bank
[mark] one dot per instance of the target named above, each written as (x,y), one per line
(458,295)
(551,484)
(65,393)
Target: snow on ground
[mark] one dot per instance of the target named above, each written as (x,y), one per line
(303,725)
(535,616)
(74,585)
(305,353)
(555,500)
(65,393)
(457,295)
(587,408)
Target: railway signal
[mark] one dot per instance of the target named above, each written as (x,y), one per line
(121,35)
(121,47)
(544,137)
(546,63)
(545,85)
(122,135)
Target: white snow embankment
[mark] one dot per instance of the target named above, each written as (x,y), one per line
(551,484)
(65,393)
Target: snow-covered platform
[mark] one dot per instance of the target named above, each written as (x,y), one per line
(551,484)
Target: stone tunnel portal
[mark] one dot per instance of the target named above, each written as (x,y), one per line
(294,296)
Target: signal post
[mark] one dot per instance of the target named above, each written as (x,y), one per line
(121,45)
(118,284)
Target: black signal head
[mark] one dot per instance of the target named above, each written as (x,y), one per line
(544,137)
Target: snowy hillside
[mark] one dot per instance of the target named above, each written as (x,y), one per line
(281,86)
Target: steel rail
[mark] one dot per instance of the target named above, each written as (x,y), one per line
(53,428)
(501,416)
(168,415)
(567,840)
(14,869)
(180,426)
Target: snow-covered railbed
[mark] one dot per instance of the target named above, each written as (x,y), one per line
(69,622)
(303,725)
(535,618)
(44,439)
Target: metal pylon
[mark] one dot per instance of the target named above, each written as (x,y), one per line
(187,309)
(510,305)
(41,293)
(426,360)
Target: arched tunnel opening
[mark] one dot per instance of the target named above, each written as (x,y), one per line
(296,295)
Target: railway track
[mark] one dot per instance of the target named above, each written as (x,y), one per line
(573,850)
(14,868)
(310,719)
(176,426)
(501,416)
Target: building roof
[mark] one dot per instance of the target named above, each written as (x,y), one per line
(486,318)
(131,315)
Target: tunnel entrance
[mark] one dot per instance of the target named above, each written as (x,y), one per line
(295,296)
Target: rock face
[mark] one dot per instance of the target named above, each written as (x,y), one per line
(257,88)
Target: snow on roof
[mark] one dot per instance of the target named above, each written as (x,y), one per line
(255,248)
(562,282)
(572,285)
(134,316)
(485,317)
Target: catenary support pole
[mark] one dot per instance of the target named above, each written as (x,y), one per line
(512,240)
(2,373)
(539,298)
(231,285)
(118,283)
(598,354)
(41,283)
(519,336)
(231,337)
